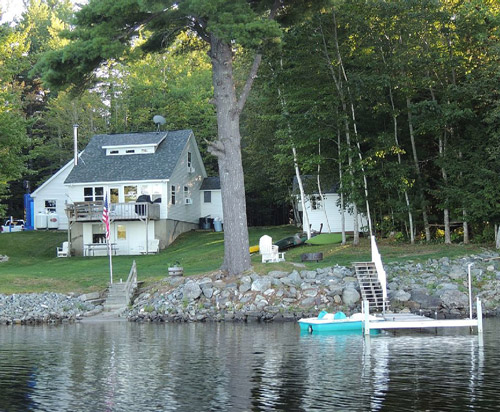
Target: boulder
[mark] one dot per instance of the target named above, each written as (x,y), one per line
(401,296)
(261,284)
(350,296)
(424,299)
(90,296)
(308,274)
(191,291)
(294,278)
(454,299)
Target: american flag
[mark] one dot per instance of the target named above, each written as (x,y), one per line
(105,216)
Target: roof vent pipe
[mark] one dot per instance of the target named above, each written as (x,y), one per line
(75,143)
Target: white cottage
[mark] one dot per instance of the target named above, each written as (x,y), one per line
(50,200)
(318,211)
(152,181)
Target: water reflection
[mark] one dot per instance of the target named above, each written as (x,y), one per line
(236,367)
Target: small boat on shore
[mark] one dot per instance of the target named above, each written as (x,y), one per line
(329,322)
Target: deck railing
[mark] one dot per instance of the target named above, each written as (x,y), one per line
(92,211)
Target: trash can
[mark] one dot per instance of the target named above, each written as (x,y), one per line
(217,225)
(205,223)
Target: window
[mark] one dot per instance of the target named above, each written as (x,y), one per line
(207,196)
(98,234)
(50,206)
(189,162)
(127,150)
(121,232)
(172,194)
(99,193)
(88,194)
(114,195)
(315,202)
(130,193)
(91,194)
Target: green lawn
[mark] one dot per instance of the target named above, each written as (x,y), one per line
(33,266)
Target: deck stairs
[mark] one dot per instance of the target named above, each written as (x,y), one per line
(120,294)
(117,299)
(369,284)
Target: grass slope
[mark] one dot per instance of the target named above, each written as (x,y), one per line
(33,266)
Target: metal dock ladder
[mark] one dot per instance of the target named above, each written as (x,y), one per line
(369,284)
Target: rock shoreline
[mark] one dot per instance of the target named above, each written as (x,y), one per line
(438,287)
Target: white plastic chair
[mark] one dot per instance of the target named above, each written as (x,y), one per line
(269,251)
(63,250)
(154,246)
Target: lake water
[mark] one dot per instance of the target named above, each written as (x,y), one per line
(122,366)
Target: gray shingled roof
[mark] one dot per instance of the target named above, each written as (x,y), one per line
(95,166)
(210,183)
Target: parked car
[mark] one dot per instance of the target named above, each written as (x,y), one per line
(16,225)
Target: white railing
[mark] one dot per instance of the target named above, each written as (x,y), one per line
(92,211)
(382,277)
(131,283)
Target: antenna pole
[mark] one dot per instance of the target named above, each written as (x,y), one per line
(75,143)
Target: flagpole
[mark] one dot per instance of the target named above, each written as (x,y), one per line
(105,220)
(110,262)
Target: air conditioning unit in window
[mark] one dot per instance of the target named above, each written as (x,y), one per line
(188,201)
(191,169)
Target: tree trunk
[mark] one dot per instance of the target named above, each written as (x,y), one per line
(323,203)
(354,123)
(497,232)
(338,85)
(228,151)
(417,169)
(305,217)
(466,228)
(446,212)
(341,187)
(396,139)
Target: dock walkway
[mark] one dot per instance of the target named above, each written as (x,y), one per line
(413,321)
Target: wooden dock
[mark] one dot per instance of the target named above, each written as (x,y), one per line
(413,321)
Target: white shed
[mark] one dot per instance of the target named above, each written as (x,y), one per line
(318,211)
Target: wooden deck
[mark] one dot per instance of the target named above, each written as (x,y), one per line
(92,211)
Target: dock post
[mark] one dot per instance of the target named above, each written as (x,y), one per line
(469,280)
(366,310)
(479,316)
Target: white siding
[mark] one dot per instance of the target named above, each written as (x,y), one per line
(135,238)
(214,208)
(181,177)
(317,216)
(54,189)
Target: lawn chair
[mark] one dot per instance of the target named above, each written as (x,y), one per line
(63,250)
(154,246)
(269,251)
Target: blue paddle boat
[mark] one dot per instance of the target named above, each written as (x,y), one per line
(329,322)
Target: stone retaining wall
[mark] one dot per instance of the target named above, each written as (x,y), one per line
(436,288)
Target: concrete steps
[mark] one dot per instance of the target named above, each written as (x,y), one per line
(116,299)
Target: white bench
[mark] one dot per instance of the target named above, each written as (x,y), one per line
(90,248)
